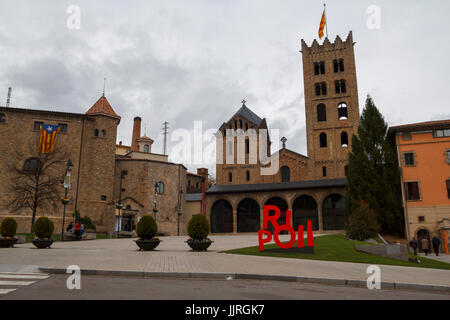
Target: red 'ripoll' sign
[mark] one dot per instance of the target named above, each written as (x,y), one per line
(286,227)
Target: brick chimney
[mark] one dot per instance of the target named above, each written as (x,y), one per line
(136,133)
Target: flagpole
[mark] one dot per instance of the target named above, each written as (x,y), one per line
(326,18)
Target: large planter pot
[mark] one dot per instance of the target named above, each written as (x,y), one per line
(199,245)
(8,243)
(42,244)
(147,245)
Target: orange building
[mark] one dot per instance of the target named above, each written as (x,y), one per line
(424,157)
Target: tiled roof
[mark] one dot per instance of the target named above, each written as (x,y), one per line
(314,184)
(248,114)
(102,106)
(429,125)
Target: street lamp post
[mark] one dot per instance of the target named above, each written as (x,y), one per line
(155,200)
(119,206)
(65,201)
(179,207)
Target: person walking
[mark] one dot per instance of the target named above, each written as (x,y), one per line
(78,230)
(414,244)
(425,245)
(436,243)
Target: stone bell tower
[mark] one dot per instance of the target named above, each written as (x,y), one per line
(331,105)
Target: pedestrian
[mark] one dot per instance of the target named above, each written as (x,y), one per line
(69,227)
(78,230)
(82,229)
(425,245)
(414,244)
(436,243)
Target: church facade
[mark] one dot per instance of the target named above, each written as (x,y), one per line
(312,187)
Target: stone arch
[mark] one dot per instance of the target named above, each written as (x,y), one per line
(248,216)
(282,204)
(334,212)
(221,217)
(305,208)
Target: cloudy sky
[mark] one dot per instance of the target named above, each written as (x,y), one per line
(186,60)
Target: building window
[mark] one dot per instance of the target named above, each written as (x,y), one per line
(324,171)
(448,156)
(160,187)
(240,124)
(246,126)
(442,133)
(323,140)
(63,127)
(235,124)
(285,174)
(321,89)
(248,175)
(146,148)
(230,177)
(341,86)
(406,136)
(448,188)
(96,133)
(103,198)
(412,191)
(342,111)
(103,134)
(37,125)
(422,219)
(247,146)
(344,139)
(32,165)
(410,159)
(2,118)
(319,68)
(338,65)
(346,171)
(321,113)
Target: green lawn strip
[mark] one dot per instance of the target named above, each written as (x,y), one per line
(338,248)
(30,236)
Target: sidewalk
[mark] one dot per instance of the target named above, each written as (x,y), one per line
(173,256)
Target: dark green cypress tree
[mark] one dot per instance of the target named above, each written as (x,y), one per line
(373,172)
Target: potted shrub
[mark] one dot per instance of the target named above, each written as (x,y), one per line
(146,230)
(8,230)
(43,228)
(198,230)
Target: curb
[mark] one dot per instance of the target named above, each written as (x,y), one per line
(242,276)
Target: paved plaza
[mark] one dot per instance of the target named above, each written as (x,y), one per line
(173,256)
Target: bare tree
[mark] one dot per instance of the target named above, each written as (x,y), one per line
(37,180)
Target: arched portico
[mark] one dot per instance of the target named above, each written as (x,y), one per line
(305,208)
(334,212)
(248,216)
(221,217)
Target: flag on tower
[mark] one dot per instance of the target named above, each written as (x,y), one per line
(49,134)
(323,23)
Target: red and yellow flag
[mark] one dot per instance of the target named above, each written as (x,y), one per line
(323,23)
(48,138)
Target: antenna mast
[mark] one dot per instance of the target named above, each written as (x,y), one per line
(165,133)
(8,100)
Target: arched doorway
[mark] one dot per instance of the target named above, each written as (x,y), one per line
(305,208)
(222,217)
(422,233)
(248,216)
(334,212)
(282,205)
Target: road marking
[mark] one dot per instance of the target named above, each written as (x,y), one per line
(6,291)
(22,276)
(16,283)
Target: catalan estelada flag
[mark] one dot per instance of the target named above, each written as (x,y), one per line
(49,134)
(323,23)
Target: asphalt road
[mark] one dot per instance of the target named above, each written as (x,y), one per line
(130,288)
